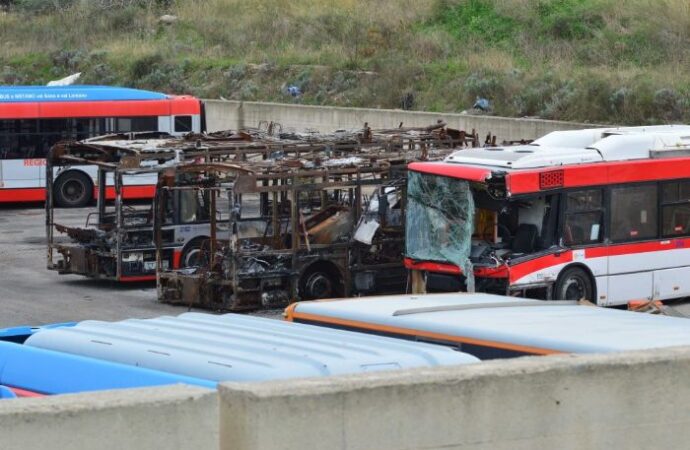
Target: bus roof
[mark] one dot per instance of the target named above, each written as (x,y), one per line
(508,322)
(75,93)
(234,347)
(582,146)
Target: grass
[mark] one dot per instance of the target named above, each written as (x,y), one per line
(588,60)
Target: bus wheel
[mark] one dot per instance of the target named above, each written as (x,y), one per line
(574,284)
(320,282)
(193,255)
(73,190)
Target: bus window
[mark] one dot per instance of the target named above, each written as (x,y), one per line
(194,206)
(18,139)
(131,124)
(583,217)
(633,212)
(675,208)
(183,124)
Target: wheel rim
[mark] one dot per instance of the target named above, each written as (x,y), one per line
(318,285)
(73,190)
(574,288)
(192,258)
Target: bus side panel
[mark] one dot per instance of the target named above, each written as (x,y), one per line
(633,286)
(632,270)
(671,283)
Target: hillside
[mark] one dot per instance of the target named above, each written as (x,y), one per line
(587,60)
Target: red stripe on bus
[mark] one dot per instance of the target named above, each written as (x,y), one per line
(135,278)
(144,191)
(24,393)
(177,258)
(638,247)
(521,270)
(599,174)
(128,108)
(535,265)
(22,195)
(19,110)
(452,170)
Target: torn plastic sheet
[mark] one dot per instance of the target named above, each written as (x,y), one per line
(370,221)
(366,230)
(439,221)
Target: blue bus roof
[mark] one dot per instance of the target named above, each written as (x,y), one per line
(76,93)
(569,328)
(234,347)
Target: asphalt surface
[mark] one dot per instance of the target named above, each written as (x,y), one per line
(32,295)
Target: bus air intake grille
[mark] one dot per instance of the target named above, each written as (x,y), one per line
(551,180)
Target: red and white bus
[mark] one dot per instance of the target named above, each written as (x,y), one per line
(599,214)
(33,118)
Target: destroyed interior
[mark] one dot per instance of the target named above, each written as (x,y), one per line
(248,219)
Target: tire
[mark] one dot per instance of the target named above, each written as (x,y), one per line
(192,255)
(73,190)
(574,284)
(318,284)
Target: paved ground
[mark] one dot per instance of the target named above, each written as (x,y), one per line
(32,295)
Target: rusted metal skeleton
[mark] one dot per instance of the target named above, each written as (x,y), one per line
(320,226)
(117,241)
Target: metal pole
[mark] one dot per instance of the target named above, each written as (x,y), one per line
(49,208)
(119,224)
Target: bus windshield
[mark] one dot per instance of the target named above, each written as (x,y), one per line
(440,220)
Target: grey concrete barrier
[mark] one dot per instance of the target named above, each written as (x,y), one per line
(229,114)
(170,418)
(637,400)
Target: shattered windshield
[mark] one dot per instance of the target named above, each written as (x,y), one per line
(440,221)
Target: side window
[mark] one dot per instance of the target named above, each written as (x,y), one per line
(183,124)
(584,214)
(194,205)
(675,209)
(633,213)
(133,124)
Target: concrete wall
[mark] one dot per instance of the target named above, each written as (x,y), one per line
(169,418)
(223,115)
(636,400)
(626,401)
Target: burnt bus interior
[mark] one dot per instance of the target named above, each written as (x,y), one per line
(117,241)
(325,224)
(292,234)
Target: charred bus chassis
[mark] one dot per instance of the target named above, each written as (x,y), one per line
(117,240)
(317,227)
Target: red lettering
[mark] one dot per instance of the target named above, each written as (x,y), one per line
(34,162)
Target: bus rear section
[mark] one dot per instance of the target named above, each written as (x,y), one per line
(34,118)
(601,215)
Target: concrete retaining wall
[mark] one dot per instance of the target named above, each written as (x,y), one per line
(223,115)
(170,418)
(631,401)
(637,400)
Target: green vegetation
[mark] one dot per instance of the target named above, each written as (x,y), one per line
(602,61)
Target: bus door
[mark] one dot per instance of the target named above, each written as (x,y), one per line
(634,228)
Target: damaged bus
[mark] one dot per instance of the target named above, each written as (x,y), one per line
(34,118)
(297,229)
(598,214)
(116,241)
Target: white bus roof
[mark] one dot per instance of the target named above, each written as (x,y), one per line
(570,328)
(234,347)
(583,146)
